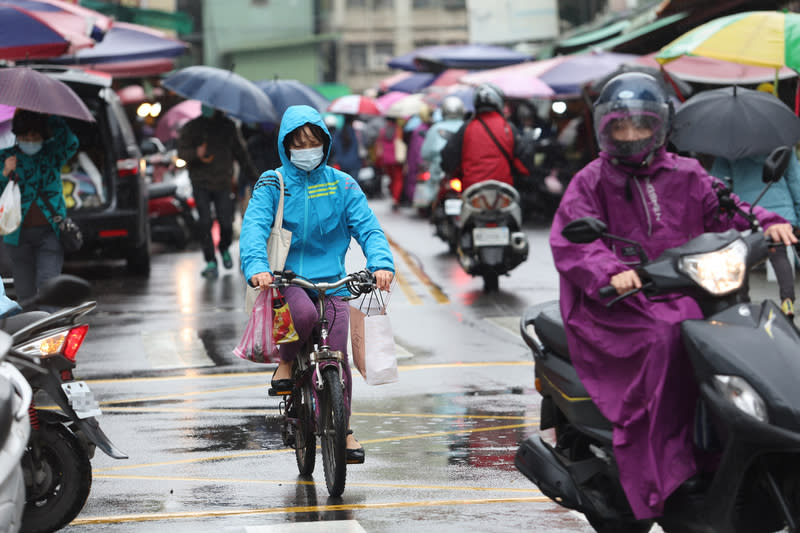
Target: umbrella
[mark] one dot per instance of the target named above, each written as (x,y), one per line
(285,93)
(178,115)
(127,42)
(468,56)
(411,104)
(413,83)
(764,38)
(28,89)
(434,95)
(354,104)
(563,75)
(40,29)
(712,71)
(224,90)
(386,100)
(132,94)
(733,122)
(670,83)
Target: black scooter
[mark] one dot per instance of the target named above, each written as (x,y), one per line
(56,465)
(746,359)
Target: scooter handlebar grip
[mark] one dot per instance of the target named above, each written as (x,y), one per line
(607,291)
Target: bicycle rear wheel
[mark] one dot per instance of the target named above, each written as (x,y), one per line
(333,431)
(305,448)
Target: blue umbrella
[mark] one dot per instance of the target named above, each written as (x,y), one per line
(223,90)
(285,93)
(414,83)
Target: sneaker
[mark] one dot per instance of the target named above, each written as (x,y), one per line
(210,271)
(226,259)
(787,306)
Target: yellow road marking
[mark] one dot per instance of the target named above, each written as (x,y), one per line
(434,289)
(240,375)
(404,486)
(306,509)
(413,299)
(272,452)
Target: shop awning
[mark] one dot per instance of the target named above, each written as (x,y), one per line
(179,22)
(628,36)
(586,38)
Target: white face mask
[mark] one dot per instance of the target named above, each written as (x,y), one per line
(307,158)
(30,148)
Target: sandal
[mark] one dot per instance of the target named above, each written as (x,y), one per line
(355,456)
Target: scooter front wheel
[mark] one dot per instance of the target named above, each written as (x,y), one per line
(333,431)
(58,484)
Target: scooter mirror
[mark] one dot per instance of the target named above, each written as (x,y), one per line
(63,291)
(584,230)
(776,163)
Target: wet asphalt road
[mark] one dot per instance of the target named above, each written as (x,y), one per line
(204,438)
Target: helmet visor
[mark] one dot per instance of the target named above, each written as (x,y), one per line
(619,126)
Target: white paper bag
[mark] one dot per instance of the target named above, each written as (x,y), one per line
(372,342)
(10,208)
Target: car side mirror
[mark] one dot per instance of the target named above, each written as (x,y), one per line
(776,164)
(584,230)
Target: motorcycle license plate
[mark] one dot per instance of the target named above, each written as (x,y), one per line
(81,399)
(452,206)
(490,236)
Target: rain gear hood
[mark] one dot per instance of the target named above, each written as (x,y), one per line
(323,208)
(630,357)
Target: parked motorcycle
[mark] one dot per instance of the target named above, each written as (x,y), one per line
(745,359)
(15,428)
(56,465)
(490,242)
(171,209)
(446,212)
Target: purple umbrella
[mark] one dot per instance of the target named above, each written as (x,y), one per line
(28,89)
(469,56)
(568,76)
(414,83)
(127,42)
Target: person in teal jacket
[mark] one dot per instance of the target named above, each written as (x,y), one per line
(43,145)
(783,198)
(323,208)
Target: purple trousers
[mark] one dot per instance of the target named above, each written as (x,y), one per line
(305,316)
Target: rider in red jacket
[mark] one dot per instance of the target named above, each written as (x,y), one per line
(484,148)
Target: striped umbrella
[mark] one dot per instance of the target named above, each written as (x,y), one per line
(762,38)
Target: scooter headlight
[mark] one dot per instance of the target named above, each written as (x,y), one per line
(742,395)
(719,272)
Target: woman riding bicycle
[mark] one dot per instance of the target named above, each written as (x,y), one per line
(323,209)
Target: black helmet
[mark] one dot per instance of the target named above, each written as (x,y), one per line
(488,97)
(640,98)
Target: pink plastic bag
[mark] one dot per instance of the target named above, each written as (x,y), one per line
(257,344)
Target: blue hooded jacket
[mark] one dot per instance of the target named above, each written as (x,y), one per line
(323,209)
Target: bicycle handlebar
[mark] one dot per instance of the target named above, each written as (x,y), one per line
(358,283)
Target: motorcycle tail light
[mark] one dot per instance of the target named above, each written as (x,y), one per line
(424,176)
(74,340)
(66,375)
(190,202)
(455,184)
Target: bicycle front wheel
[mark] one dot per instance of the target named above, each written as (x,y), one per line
(305,442)
(333,431)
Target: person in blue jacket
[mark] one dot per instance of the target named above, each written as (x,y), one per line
(783,198)
(323,208)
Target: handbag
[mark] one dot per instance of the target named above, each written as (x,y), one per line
(68,231)
(10,208)
(278,244)
(372,341)
(257,343)
(282,325)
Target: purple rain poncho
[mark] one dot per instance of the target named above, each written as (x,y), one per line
(630,357)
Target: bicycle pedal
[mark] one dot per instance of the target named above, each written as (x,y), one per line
(273,392)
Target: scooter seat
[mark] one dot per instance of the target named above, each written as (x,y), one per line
(15,323)
(550,329)
(6,408)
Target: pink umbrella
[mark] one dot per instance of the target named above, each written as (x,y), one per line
(716,71)
(178,115)
(34,91)
(385,101)
(132,94)
(517,81)
(354,104)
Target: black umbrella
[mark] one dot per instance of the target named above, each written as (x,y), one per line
(733,122)
(671,83)
(223,90)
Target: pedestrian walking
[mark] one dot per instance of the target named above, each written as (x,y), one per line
(390,155)
(210,144)
(44,144)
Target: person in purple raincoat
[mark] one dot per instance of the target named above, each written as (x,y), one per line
(630,357)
